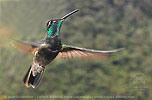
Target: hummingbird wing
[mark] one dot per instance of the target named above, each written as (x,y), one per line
(26,47)
(68,51)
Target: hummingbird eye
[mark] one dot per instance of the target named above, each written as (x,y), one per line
(49,24)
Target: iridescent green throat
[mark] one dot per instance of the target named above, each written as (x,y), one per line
(56,27)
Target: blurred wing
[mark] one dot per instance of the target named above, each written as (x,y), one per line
(26,47)
(76,52)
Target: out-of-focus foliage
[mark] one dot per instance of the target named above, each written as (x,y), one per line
(100,24)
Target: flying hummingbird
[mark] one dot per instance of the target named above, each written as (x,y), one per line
(50,48)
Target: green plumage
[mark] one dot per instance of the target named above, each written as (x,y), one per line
(54,29)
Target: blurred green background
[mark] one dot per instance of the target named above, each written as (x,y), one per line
(100,24)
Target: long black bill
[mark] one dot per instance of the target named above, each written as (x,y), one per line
(69,14)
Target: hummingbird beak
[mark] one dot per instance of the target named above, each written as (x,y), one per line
(64,17)
(69,14)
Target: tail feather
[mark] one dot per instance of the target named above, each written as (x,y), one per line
(30,80)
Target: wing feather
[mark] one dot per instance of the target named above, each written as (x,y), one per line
(26,47)
(76,52)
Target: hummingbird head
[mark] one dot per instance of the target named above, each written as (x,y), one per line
(54,25)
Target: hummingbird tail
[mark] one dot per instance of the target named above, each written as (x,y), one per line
(30,80)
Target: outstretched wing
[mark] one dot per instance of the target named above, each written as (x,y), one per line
(76,52)
(26,47)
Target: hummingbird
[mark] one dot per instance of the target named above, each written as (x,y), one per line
(51,47)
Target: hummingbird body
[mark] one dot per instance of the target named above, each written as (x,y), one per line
(44,54)
(50,48)
(47,52)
